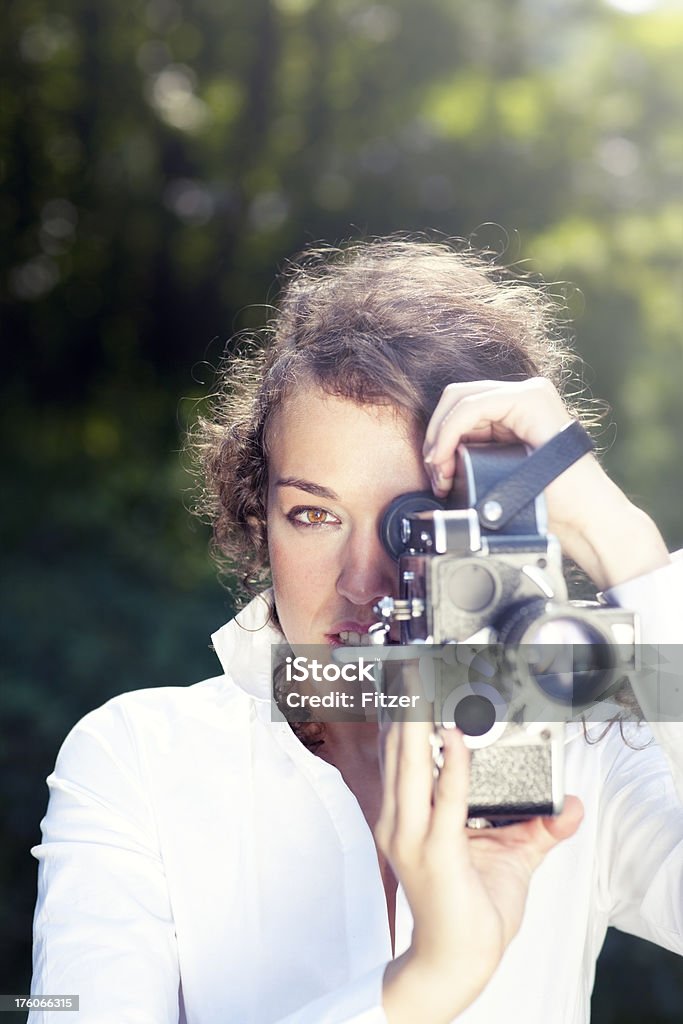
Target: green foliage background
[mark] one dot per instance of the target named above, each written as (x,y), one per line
(158,162)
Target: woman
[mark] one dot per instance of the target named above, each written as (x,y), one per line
(201,861)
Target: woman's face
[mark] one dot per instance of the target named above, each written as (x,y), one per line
(334,466)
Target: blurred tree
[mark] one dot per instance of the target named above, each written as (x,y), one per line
(159,160)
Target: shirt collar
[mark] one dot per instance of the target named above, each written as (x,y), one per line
(243,646)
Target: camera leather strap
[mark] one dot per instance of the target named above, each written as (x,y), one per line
(511,494)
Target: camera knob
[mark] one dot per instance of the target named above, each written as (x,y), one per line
(385,608)
(492,511)
(399,609)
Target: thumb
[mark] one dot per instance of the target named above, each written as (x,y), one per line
(564,825)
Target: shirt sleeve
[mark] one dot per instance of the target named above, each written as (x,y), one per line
(103,924)
(658,598)
(642,803)
(103,927)
(359,1002)
(640,860)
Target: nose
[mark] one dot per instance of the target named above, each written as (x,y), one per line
(367,572)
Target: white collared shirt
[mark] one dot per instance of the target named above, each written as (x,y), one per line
(199,864)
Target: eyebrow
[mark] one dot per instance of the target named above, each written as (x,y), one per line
(308,486)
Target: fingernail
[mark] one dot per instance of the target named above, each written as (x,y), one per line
(436,476)
(427,454)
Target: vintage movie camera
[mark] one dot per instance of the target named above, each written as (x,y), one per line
(481,582)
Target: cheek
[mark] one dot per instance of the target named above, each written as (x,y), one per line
(301,568)
(303,585)
(282,561)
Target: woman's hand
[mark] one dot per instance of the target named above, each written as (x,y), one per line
(597,526)
(467,890)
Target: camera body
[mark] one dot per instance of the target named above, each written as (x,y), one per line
(513,659)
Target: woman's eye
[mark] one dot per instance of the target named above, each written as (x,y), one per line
(312,517)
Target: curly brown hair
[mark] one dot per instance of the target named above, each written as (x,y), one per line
(390,321)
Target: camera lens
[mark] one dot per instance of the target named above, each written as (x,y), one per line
(569,660)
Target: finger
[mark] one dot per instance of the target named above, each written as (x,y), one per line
(472,413)
(441,475)
(532,410)
(389,762)
(440,457)
(451,793)
(452,394)
(564,825)
(414,783)
(532,840)
(553,830)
